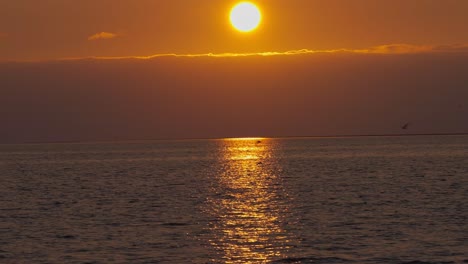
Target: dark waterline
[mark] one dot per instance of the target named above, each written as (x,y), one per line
(222,138)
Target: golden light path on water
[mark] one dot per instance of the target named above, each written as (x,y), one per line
(250,203)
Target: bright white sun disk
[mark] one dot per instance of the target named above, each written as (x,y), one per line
(245,17)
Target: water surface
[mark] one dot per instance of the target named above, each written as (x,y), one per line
(316,200)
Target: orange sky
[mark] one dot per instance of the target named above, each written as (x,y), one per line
(51,29)
(386,63)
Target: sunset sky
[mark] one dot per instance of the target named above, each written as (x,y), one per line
(50,29)
(93,70)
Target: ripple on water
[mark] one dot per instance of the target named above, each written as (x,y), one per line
(349,200)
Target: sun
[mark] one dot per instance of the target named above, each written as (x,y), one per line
(245,17)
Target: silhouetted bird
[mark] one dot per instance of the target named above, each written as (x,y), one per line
(405,126)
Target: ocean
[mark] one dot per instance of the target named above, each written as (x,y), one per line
(258,200)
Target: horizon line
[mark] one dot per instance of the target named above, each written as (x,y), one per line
(232,138)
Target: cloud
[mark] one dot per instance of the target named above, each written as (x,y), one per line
(408,48)
(395,49)
(398,49)
(103,35)
(383,49)
(452,48)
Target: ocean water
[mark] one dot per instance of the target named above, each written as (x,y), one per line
(304,200)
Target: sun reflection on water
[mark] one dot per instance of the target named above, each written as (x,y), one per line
(249,203)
